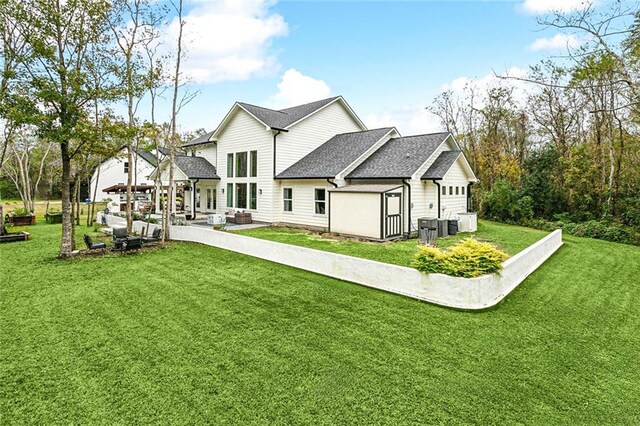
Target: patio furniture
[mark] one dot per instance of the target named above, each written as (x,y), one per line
(243,218)
(154,238)
(91,245)
(119,237)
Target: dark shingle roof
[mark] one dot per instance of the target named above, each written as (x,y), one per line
(374,188)
(442,164)
(196,167)
(149,157)
(334,156)
(285,117)
(199,140)
(399,157)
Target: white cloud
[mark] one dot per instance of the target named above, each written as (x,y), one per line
(461,85)
(557,42)
(540,7)
(296,88)
(409,120)
(228,40)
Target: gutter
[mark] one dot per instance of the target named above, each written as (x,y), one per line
(404,182)
(335,185)
(435,181)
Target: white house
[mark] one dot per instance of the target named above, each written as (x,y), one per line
(110,179)
(311,165)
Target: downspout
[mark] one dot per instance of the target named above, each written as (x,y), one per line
(335,185)
(275,135)
(438,185)
(404,182)
(469,196)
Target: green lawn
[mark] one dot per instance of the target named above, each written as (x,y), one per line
(511,239)
(193,335)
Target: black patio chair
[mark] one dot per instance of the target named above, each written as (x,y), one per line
(132,243)
(91,245)
(154,238)
(119,237)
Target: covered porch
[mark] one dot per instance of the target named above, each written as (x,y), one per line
(195,180)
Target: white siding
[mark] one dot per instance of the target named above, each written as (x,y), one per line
(303,203)
(457,178)
(309,134)
(358,214)
(207,151)
(244,134)
(112,173)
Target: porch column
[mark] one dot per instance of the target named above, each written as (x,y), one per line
(194,197)
(174,203)
(158,192)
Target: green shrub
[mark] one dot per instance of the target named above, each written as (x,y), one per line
(469,258)
(22,212)
(504,202)
(603,230)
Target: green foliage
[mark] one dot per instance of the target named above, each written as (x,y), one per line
(600,229)
(8,189)
(21,212)
(469,258)
(540,182)
(505,203)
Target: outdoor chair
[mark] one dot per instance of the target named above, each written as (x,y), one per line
(154,238)
(132,243)
(91,245)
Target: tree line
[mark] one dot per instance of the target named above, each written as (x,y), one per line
(66,66)
(568,150)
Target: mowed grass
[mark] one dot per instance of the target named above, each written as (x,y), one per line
(193,335)
(511,239)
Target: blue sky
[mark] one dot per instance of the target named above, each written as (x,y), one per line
(388,59)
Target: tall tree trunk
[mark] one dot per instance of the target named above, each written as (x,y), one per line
(66,245)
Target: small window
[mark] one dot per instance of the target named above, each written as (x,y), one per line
(253,196)
(126,167)
(320,198)
(451,190)
(444,190)
(229,195)
(287,195)
(241,164)
(457,190)
(229,166)
(253,171)
(462,190)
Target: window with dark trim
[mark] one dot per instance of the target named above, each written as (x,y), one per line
(320,200)
(444,190)
(451,190)
(241,195)
(230,165)
(198,198)
(253,157)
(457,190)
(241,164)
(229,195)
(208,198)
(463,190)
(126,167)
(287,196)
(253,196)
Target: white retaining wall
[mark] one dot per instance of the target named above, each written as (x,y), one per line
(464,293)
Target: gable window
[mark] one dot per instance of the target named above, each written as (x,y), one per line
(462,190)
(457,189)
(451,190)
(253,172)
(241,195)
(229,166)
(253,196)
(320,199)
(287,195)
(241,164)
(126,167)
(444,190)
(229,195)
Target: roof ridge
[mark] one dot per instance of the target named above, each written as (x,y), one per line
(365,131)
(308,103)
(261,107)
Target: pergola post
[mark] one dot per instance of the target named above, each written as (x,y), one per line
(174,203)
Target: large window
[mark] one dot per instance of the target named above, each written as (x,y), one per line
(287,195)
(229,165)
(253,172)
(126,167)
(320,199)
(198,198)
(241,195)
(229,195)
(253,196)
(241,164)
